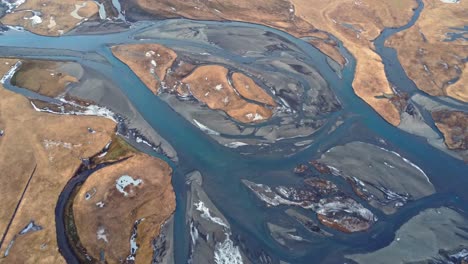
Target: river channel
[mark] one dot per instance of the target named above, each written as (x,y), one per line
(223,168)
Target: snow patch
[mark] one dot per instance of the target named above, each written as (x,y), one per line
(12,5)
(193,233)
(140,140)
(334,170)
(150,53)
(267,195)
(133,243)
(35,19)
(227,253)
(10,72)
(101,234)
(15,28)
(257,117)
(236,144)
(326,207)
(90,110)
(462,254)
(205,128)
(124,181)
(74,13)
(48,144)
(200,206)
(31,227)
(52,23)
(94,110)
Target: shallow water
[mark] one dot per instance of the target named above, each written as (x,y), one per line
(223,168)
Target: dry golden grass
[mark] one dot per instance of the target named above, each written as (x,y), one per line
(459,89)
(209,85)
(55,144)
(302,18)
(153,200)
(246,87)
(43,77)
(57,16)
(329,50)
(368,18)
(454,126)
(173,78)
(275,13)
(427,59)
(149,62)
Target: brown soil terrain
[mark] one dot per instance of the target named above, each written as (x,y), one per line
(454,126)
(176,74)
(330,49)
(105,216)
(43,77)
(209,84)
(246,87)
(149,62)
(356,23)
(459,90)
(274,13)
(118,150)
(56,17)
(427,59)
(39,152)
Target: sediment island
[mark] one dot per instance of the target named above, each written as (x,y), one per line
(272,132)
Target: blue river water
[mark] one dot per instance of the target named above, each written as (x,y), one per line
(223,168)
